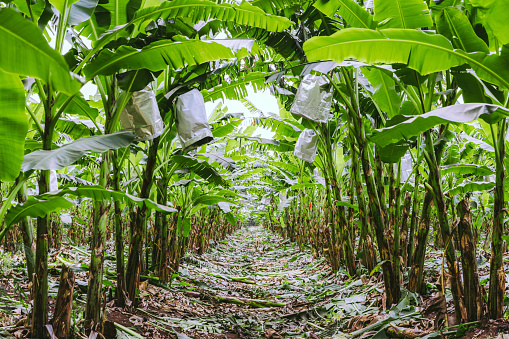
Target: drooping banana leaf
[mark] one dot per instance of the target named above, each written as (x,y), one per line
(236,89)
(68,154)
(349,10)
(35,207)
(13,125)
(384,86)
(482,144)
(495,17)
(207,200)
(455,25)
(25,51)
(457,114)
(423,52)
(426,53)
(227,163)
(41,205)
(470,187)
(198,10)
(81,11)
(200,167)
(157,56)
(402,14)
(467,169)
(201,10)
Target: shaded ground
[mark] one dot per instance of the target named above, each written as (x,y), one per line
(251,285)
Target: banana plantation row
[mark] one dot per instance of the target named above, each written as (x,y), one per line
(390,136)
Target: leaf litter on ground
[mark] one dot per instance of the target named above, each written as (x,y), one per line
(253,284)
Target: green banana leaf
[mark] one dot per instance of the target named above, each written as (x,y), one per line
(157,56)
(200,167)
(41,205)
(467,169)
(35,207)
(423,52)
(402,14)
(25,51)
(13,125)
(414,125)
(470,187)
(349,10)
(68,154)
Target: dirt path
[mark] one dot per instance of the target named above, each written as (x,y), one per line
(251,285)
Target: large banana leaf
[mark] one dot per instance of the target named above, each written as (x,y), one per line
(198,10)
(157,56)
(414,125)
(470,187)
(118,10)
(236,89)
(495,17)
(423,52)
(99,193)
(34,207)
(24,50)
(13,125)
(68,154)
(455,25)
(81,11)
(207,200)
(75,128)
(78,106)
(210,200)
(200,167)
(349,10)
(385,95)
(275,6)
(41,205)
(402,14)
(467,169)
(224,130)
(202,10)
(426,53)
(36,8)
(227,163)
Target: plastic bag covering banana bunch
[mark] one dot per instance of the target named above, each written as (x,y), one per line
(313,99)
(306,145)
(141,115)
(192,124)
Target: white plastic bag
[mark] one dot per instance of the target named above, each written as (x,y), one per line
(141,115)
(313,99)
(192,124)
(306,145)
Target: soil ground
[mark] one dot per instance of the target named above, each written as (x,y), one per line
(253,284)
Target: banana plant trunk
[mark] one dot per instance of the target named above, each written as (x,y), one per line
(376,209)
(413,219)
(365,242)
(27,232)
(445,231)
(415,280)
(497,274)
(138,223)
(40,283)
(474,301)
(404,227)
(119,236)
(94,291)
